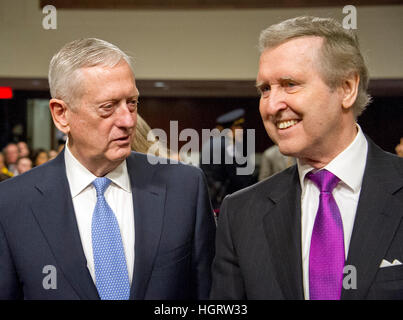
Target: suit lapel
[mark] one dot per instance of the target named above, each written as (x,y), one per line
(149,208)
(282,226)
(54,212)
(377,218)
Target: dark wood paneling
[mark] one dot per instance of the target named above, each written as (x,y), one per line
(207,4)
(197,88)
(201,113)
(382,121)
(202,88)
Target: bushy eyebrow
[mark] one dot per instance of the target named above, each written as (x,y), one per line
(285,79)
(260,84)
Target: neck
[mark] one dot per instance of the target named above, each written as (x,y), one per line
(98,166)
(323,156)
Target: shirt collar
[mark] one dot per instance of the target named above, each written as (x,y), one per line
(80,177)
(348,166)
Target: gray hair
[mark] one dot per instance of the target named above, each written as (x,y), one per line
(340,54)
(90,52)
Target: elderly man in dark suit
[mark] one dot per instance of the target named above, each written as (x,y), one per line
(100,221)
(329,227)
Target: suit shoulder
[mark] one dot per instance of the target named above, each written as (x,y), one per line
(21,182)
(262,188)
(163,165)
(398,162)
(385,159)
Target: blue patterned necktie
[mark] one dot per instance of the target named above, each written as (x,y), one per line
(112,279)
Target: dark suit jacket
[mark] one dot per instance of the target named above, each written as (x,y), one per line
(258,245)
(174,234)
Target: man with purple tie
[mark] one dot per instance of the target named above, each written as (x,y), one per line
(298,234)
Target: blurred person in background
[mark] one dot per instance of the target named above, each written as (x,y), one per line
(11,156)
(23,149)
(24,164)
(399,148)
(221,166)
(3,168)
(144,141)
(273,161)
(52,154)
(39,156)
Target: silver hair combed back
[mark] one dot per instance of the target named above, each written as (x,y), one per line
(89,52)
(340,55)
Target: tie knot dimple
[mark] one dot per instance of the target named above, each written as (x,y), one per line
(325,180)
(100,185)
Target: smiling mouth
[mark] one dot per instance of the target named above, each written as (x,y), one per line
(286,124)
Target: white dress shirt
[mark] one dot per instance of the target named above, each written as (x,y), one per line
(119,197)
(349,167)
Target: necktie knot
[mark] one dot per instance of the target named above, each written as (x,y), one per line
(325,180)
(100,185)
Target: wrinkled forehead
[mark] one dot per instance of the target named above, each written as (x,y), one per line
(296,56)
(296,48)
(102,80)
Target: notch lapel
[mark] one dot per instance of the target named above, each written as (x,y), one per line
(377,218)
(282,225)
(54,212)
(149,209)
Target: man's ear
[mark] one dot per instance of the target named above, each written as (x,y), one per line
(58,109)
(350,90)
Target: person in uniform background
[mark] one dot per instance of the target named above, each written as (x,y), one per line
(220,167)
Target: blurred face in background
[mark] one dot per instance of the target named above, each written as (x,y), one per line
(41,158)
(23,150)
(23,165)
(399,148)
(52,154)
(11,153)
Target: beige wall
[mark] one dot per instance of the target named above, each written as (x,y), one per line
(198,44)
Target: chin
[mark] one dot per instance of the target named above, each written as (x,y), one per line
(120,155)
(289,149)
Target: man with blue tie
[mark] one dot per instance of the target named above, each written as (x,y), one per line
(338,211)
(106,223)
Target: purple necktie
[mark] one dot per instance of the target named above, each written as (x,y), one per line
(326,257)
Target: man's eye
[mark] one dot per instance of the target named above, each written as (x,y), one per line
(107,107)
(264,89)
(291,86)
(133,104)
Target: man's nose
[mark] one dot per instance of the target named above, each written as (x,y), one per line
(126,117)
(275,102)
